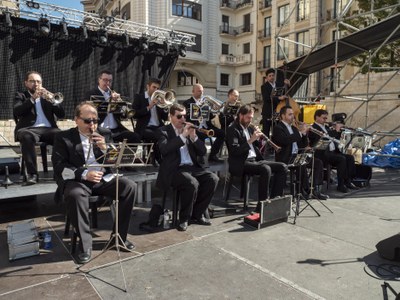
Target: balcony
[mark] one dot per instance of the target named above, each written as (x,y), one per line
(235,4)
(264,4)
(235,60)
(264,33)
(263,65)
(235,31)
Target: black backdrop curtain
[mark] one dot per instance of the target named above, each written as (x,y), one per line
(70,64)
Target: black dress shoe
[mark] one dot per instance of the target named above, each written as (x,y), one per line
(351,186)
(214,158)
(183,226)
(31,179)
(129,245)
(342,188)
(85,256)
(318,195)
(202,221)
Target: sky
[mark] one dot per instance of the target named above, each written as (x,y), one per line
(76,4)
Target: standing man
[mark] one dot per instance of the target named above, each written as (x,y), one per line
(270,100)
(35,121)
(197,94)
(344,163)
(111,120)
(180,146)
(293,141)
(79,175)
(231,106)
(245,156)
(149,117)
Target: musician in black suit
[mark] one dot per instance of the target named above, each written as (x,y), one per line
(110,120)
(197,94)
(149,117)
(245,156)
(270,99)
(292,141)
(344,163)
(228,114)
(35,121)
(179,146)
(73,150)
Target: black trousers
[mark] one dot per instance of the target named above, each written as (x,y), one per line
(344,164)
(317,173)
(120,134)
(196,188)
(149,136)
(76,196)
(219,135)
(28,137)
(265,169)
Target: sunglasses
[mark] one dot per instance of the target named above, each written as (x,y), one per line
(88,121)
(180,116)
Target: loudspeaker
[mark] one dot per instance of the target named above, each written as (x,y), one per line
(390,248)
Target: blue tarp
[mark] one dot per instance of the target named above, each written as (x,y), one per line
(373,159)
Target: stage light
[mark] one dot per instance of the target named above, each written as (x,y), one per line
(125,38)
(64,27)
(182,50)
(84,32)
(143,44)
(7,20)
(102,36)
(32,4)
(44,25)
(109,19)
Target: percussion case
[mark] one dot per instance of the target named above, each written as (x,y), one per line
(363,175)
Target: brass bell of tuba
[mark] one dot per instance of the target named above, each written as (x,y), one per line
(214,103)
(165,99)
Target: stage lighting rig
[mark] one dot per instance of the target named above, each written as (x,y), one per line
(44,25)
(85,32)
(102,36)
(7,20)
(32,4)
(125,39)
(64,27)
(182,50)
(144,44)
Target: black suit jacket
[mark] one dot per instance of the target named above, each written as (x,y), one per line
(238,148)
(142,115)
(25,112)
(68,153)
(186,104)
(314,138)
(284,139)
(96,92)
(269,102)
(169,144)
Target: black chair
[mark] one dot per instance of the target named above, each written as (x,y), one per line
(244,189)
(43,154)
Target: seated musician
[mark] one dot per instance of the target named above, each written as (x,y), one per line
(179,146)
(197,93)
(110,120)
(228,114)
(245,156)
(292,141)
(344,163)
(73,150)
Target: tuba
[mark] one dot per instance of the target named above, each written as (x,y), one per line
(165,99)
(215,104)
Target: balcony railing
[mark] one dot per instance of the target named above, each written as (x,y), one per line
(230,30)
(265,4)
(235,60)
(235,4)
(263,64)
(264,33)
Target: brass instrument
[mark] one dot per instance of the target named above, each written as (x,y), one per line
(53,98)
(324,135)
(267,139)
(231,108)
(165,99)
(215,104)
(207,132)
(119,106)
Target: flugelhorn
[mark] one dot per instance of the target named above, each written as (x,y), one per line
(53,98)
(214,103)
(267,139)
(164,99)
(207,132)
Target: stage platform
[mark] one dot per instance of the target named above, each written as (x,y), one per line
(328,257)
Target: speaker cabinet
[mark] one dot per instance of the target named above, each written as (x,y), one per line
(390,248)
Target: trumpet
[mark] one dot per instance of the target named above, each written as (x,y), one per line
(267,139)
(215,104)
(165,99)
(53,98)
(207,132)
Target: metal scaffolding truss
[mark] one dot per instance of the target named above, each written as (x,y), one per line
(76,18)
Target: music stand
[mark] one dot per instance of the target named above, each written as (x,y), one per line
(122,155)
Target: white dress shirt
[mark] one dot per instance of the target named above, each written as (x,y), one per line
(331,144)
(109,121)
(41,120)
(154,121)
(252,152)
(295,148)
(185,156)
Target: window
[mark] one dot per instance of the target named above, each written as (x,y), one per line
(197,47)
(266,57)
(225,24)
(283,14)
(267,26)
(246,48)
(187,9)
(126,12)
(245,79)
(225,49)
(283,48)
(224,80)
(303,9)
(246,23)
(186,79)
(302,38)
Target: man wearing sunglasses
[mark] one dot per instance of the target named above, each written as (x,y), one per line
(179,146)
(35,121)
(79,174)
(110,120)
